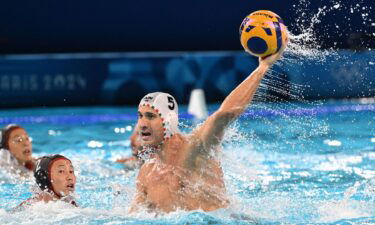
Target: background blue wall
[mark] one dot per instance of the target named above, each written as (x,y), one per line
(164,27)
(121,78)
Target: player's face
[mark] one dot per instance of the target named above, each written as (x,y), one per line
(150,126)
(63,178)
(20,145)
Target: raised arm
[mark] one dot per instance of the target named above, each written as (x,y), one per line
(212,130)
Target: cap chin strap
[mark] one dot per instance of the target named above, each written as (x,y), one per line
(148,150)
(170,126)
(53,193)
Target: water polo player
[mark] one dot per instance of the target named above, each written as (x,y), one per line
(185,172)
(137,158)
(16,150)
(56,180)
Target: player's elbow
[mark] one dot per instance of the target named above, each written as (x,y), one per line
(226,116)
(232,113)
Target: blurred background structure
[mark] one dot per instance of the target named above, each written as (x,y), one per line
(61,53)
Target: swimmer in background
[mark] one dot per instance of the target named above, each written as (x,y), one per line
(16,150)
(137,159)
(185,172)
(56,181)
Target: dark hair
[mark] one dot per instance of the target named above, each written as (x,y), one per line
(5,134)
(42,172)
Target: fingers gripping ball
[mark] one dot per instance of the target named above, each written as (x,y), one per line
(263,33)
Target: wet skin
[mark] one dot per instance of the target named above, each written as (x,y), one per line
(20,145)
(170,182)
(63,182)
(185,172)
(63,178)
(149,127)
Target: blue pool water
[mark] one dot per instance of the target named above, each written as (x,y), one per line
(283,163)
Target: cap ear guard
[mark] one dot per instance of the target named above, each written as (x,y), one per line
(42,180)
(42,172)
(171,123)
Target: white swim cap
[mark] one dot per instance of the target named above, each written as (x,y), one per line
(167,107)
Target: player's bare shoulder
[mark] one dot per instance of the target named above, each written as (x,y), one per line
(145,170)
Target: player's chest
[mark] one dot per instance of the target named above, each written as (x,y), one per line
(164,179)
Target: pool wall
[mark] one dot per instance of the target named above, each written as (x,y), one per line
(123,78)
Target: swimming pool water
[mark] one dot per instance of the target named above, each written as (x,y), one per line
(283,163)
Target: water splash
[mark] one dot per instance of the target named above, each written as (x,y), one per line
(276,170)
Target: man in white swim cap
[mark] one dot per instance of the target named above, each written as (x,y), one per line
(163,106)
(185,172)
(159,105)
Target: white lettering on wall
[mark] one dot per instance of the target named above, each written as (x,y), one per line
(81,82)
(5,83)
(59,81)
(33,82)
(44,82)
(47,82)
(71,82)
(16,83)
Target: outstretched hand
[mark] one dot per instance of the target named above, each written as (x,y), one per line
(271,59)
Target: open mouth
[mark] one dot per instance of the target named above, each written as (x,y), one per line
(145,134)
(27,152)
(70,187)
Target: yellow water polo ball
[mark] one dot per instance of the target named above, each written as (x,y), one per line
(263,33)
